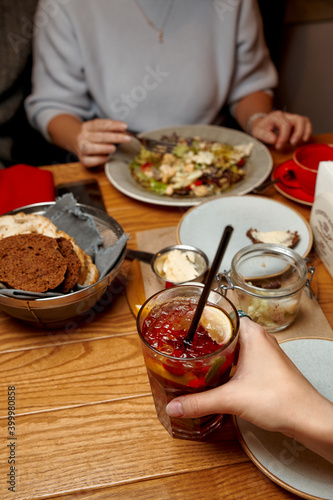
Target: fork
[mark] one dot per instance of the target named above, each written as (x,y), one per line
(154,144)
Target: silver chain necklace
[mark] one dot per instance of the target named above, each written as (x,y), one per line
(160,31)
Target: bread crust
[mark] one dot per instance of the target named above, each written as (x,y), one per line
(72,262)
(88,273)
(22,223)
(290,238)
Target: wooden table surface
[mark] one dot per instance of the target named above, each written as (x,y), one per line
(85,423)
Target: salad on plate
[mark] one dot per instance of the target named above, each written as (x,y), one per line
(195,167)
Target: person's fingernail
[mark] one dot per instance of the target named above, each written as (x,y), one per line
(174,409)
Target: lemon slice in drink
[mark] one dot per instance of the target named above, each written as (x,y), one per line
(217,324)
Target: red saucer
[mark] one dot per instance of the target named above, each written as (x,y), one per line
(293,193)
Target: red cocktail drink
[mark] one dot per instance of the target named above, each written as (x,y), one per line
(173,369)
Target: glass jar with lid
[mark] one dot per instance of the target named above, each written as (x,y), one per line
(268,280)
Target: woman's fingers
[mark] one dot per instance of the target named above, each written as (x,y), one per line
(104,125)
(263,389)
(279,128)
(302,128)
(93,161)
(97,140)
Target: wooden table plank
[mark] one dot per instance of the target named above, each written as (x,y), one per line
(221,483)
(66,375)
(105,444)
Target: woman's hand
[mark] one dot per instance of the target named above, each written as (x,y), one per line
(92,141)
(278,129)
(265,387)
(97,138)
(268,390)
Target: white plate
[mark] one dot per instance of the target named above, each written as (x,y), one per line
(258,165)
(202,226)
(282,459)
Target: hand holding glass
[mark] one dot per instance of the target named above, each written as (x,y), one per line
(176,370)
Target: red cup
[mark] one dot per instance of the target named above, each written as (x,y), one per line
(307,159)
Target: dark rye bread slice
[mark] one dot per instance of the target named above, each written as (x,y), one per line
(31,262)
(88,273)
(73,264)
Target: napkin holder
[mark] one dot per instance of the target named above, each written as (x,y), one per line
(321,218)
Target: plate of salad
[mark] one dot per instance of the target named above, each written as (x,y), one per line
(207,161)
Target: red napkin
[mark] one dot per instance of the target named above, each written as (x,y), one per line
(22,185)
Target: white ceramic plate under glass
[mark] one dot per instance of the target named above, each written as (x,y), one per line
(284,460)
(202,226)
(258,165)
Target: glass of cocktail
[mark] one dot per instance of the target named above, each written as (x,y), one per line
(175,370)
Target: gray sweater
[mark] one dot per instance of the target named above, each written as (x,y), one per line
(100,58)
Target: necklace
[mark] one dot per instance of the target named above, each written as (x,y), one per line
(160,31)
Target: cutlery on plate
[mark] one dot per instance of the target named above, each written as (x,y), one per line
(154,145)
(290,175)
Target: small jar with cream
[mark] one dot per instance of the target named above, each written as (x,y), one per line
(178,264)
(268,281)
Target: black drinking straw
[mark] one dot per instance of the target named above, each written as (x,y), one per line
(209,281)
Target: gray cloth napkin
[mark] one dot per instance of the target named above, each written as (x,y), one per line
(68,217)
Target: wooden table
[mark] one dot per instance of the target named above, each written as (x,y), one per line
(85,424)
